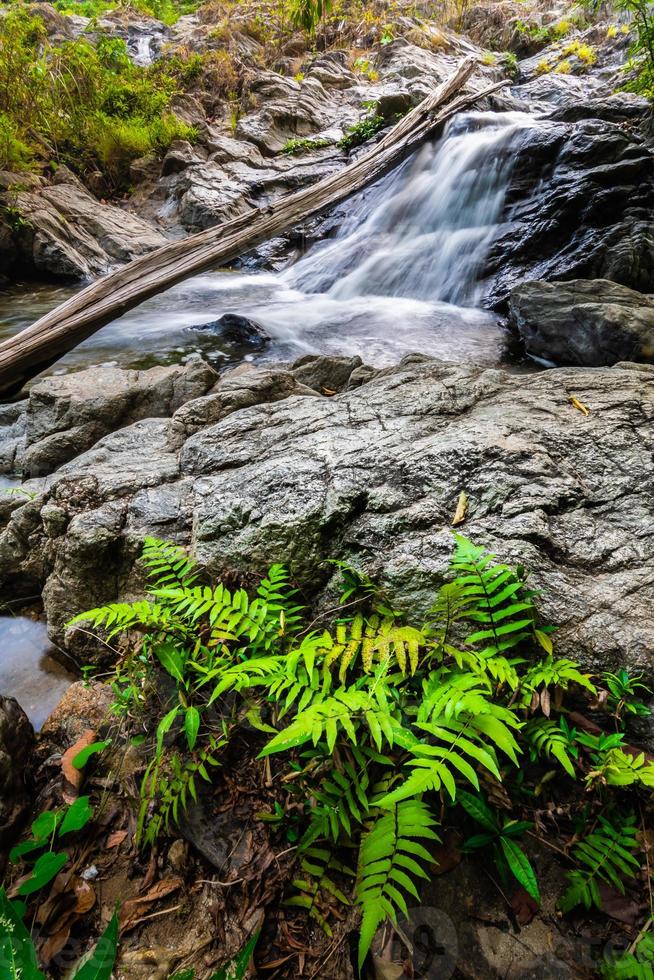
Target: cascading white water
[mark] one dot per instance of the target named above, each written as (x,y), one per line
(429,225)
(403,273)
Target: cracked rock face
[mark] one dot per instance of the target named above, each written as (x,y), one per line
(266,469)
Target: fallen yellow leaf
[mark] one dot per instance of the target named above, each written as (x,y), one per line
(578,405)
(461,509)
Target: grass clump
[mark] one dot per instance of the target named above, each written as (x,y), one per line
(84,105)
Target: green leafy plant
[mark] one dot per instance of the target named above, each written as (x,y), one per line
(375,725)
(635,963)
(501,838)
(623,693)
(604,855)
(49,826)
(18,955)
(294,147)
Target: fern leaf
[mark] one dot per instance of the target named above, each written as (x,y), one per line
(385,856)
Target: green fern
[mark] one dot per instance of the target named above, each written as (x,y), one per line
(316,891)
(501,606)
(388,866)
(168,564)
(548,739)
(605,855)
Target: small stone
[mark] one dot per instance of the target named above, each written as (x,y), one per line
(178,855)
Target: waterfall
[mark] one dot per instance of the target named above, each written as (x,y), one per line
(428,226)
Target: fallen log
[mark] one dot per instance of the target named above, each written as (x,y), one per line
(38,346)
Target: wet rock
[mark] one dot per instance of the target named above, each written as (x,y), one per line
(579,206)
(587,322)
(372,475)
(85,706)
(12,434)
(331,70)
(239,330)
(233,393)
(66,415)
(16,747)
(180,156)
(64,231)
(617,108)
(303,110)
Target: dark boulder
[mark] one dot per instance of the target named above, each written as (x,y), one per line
(16,746)
(580,205)
(587,322)
(238,330)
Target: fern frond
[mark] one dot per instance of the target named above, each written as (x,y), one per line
(499,602)
(120,617)
(388,866)
(606,854)
(548,739)
(168,564)
(550,672)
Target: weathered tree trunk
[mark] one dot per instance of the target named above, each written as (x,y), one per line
(40,345)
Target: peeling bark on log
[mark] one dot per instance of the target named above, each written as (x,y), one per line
(37,347)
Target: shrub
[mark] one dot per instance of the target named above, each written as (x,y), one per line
(89,107)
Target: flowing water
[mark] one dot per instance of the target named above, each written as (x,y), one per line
(403,274)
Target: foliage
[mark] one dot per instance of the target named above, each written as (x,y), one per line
(294,147)
(381,723)
(83,105)
(48,826)
(500,836)
(640,66)
(606,854)
(363,131)
(636,963)
(14,153)
(622,694)
(307,14)
(18,955)
(375,725)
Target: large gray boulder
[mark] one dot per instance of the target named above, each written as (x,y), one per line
(591,322)
(372,475)
(67,414)
(16,746)
(60,229)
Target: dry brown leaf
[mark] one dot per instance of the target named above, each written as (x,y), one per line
(578,405)
(524,907)
(461,509)
(84,896)
(54,944)
(72,776)
(384,970)
(545,702)
(116,839)
(135,908)
(446,855)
